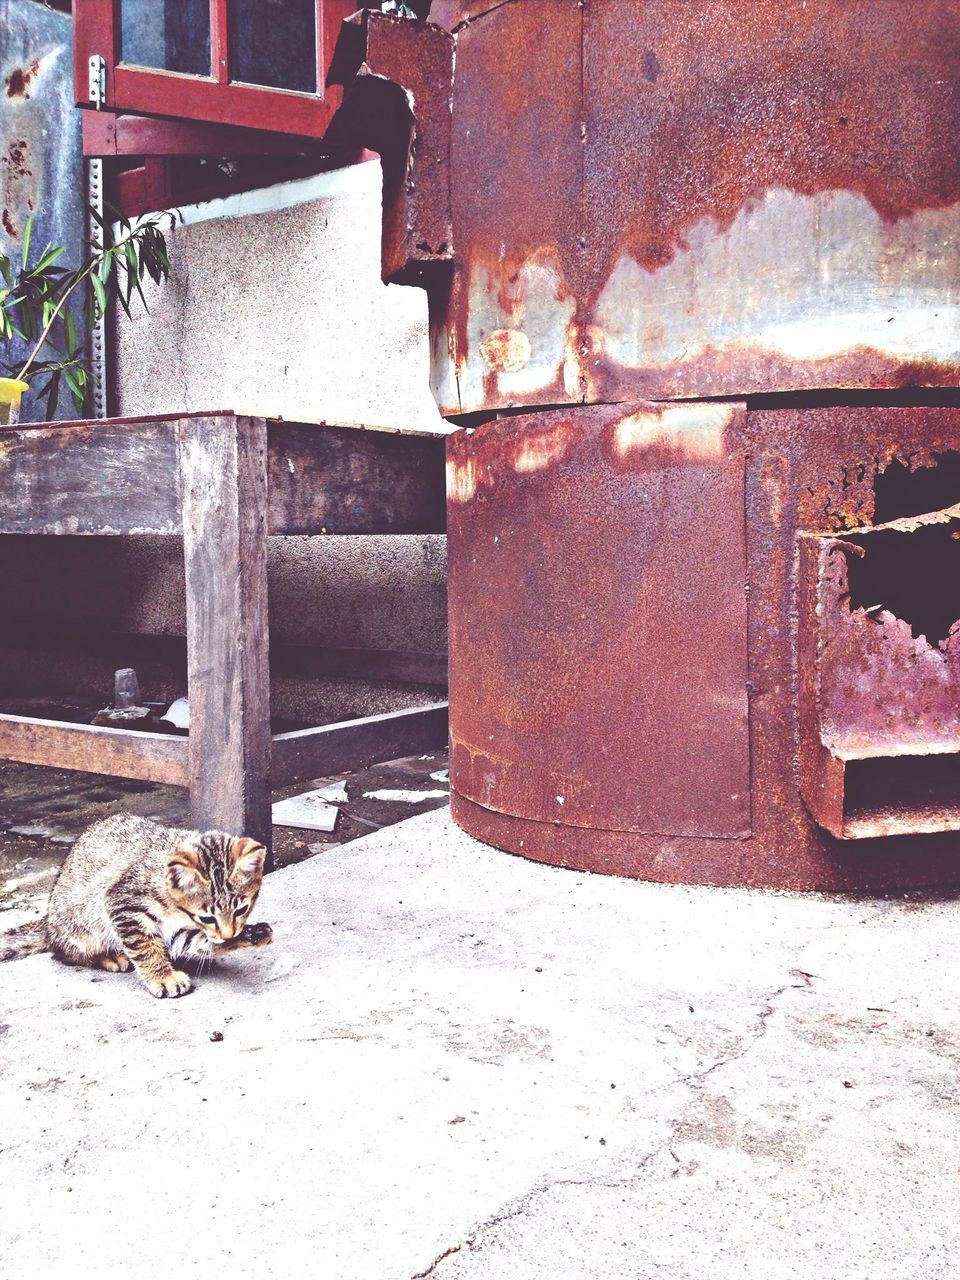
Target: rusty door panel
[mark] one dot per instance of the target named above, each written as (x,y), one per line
(598,618)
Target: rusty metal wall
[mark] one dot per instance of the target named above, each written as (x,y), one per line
(674,200)
(573,674)
(41,165)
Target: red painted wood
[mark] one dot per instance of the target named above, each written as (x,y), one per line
(164,93)
(142,190)
(107,134)
(152,92)
(94,31)
(219,41)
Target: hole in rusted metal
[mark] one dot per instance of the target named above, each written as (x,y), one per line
(902,792)
(900,491)
(915,576)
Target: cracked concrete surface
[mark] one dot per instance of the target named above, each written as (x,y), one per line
(455,1062)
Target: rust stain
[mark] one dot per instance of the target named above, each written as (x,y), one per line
(506,350)
(503,451)
(671,434)
(20,79)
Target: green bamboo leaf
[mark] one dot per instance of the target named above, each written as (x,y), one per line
(53,395)
(48,258)
(27,233)
(73,383)
(100,292)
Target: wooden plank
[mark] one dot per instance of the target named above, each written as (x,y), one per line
(347,480)
(89,478)
(121,753)
(219,41)
(355,744)
(106,134)
(224,502)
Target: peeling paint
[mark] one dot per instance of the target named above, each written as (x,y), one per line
(806,277)
(546,449)
(685,432)
(506,350)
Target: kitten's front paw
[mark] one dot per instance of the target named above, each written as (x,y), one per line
(257,935)
(175,983)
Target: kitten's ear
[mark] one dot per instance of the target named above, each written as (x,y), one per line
(183,870)
(246,860)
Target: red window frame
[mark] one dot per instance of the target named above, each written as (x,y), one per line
(154,92)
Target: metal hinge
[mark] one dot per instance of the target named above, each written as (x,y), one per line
(97,79)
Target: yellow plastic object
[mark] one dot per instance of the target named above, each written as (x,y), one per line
(11,390)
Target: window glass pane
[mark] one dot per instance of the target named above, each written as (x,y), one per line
(172,34)
(274,42)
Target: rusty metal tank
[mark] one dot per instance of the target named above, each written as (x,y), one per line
(693,280)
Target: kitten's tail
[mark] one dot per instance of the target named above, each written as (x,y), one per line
(26,940)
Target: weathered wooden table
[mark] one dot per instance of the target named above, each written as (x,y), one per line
(222,482)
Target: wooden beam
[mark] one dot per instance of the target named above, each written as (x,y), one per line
(105,134)
(90,478)
(119,477)
(224,502)
(355,744)
(347,480)
(121,753)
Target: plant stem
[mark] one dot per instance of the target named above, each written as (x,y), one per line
(87,270)
(49,325)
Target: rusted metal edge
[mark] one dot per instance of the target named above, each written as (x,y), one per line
(398,98)
(825,752)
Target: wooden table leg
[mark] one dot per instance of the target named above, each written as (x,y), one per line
(223,491)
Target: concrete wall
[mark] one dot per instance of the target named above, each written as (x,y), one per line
(279,310)
(275,304)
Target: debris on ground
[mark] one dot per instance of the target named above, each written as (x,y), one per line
(308,811)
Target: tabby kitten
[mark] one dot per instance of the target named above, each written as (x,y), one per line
(134,894)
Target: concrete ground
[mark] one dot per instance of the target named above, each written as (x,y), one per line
(456,1063)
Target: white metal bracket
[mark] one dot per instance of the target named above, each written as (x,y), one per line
(97,88)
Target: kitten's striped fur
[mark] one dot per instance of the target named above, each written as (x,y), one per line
(134,894)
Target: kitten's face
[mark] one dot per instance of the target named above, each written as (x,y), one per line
(215,881)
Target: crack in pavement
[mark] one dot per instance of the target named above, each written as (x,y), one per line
(523,1204)
(696,1077)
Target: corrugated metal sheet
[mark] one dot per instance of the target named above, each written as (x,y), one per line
(41,165)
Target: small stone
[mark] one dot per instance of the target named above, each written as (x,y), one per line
(216,1036)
